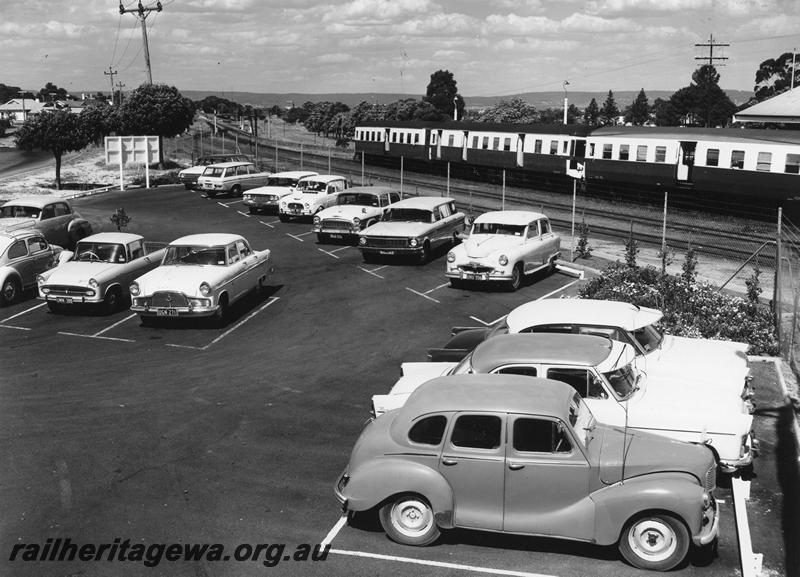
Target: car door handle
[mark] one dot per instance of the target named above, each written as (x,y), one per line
(516,466)
(449,462)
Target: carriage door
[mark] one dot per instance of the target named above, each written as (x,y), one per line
(577,157)
(438,144)
(686,161)
(386,133)
(520,149)
(464,144)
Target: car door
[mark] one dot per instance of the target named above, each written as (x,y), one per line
(246,279)
(41,257)
(473,461)
(137,264)
(63,216)
(546,480)
(534,247)
(17,256)
(549,239)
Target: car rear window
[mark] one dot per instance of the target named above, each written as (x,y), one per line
(428,431)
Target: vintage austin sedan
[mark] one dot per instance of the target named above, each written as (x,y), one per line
(524,455)
(355,209)
(414,226)
(201,275)
(312,194)
(23,255)
(279,184)
(54,218)
(605,375)
(504,246)
(99,272)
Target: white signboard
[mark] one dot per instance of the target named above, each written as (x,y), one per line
(122,150)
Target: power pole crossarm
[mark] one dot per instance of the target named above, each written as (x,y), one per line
(711,45)
(141,13)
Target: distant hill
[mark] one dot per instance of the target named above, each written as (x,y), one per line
(539,100)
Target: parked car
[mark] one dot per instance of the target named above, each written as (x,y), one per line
(604,374)
(189,176)
(504,246)
(201,275)
(311,195)
(23,255)
(525,455)
(52,217)
(266,198)
(415,226)
(230,178)
(721,364)
(355,209)
(99,272)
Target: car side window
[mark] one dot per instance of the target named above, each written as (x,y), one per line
(444,210)
(583,381)
(428,431)
(533,230)
(233,254)
(17,249)
(610,332)
(394,197)
(61,209)
(136,249)
(48,212)
(544,226)
(243,249)
(517,370)
(435,215)
(36,243)
(477,432)
(540,436)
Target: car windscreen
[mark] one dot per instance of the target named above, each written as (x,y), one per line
(100,252)
(311,186)
(649,338)
(281,181)
(195,255)
(408,215)
(622,380)
(581,419)
(19,211)
(213,171)
(498,228)
(359,199)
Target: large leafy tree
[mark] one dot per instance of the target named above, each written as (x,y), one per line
(99,120)
(442,94)
(591,114)
(51,91)
(514,110)
(639,111)
(774,75)
(609,112)
(8,92)
(58,131)
(702,103)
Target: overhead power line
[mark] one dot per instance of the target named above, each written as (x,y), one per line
(142,13)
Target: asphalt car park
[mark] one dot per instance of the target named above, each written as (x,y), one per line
(190,433)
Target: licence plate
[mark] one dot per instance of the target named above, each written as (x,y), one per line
(166,312)
(295,211)
(64,300)
(386,252)
(472,276)
(336,235)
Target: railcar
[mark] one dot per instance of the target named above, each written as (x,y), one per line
(742,168)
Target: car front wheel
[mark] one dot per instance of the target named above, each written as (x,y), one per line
(516,278)
(10,292)
(408,519)
(655,542)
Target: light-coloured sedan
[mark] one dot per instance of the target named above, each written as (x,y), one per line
(355,209)
(201,275)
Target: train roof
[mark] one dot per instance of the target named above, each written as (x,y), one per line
(472,126)
(695,133)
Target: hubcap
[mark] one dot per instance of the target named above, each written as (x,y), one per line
(652,539)
(411,517)
(9,291)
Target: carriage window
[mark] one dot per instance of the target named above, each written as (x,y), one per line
(474,142)
(540,436)
(591,149)
(792,164)
(641,153)
(477,432)
(485,144)
(764,161)
(537,147)
(564,146)
(451,141)
(607,150)
(394,137)
(554,147)
(737,159)
(624,151)
(496,143)
(507,144)
(712,157)
(428,431)
(661,153)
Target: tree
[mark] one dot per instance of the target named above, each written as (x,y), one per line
(58,131)
(443,94)
(664,113)
(515,110)
(639,111)
(8,92)
(702,103)
(591,115)
(609,113)
(99,120)
(50,92)
(774,75)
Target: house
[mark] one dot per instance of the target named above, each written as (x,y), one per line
(13,109)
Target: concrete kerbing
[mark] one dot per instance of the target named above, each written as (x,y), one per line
(579,266)
(790,396)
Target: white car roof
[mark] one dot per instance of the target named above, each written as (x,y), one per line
(324,177)
(584,311)
(376,190)
(293,174)
(115,237)
(34,201)
(519,217)
(228,164)
(208,239)
(427,202)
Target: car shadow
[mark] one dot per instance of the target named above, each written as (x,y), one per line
(502,286)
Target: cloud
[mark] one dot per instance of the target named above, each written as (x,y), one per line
(447,24)
(337,58)
(376,10)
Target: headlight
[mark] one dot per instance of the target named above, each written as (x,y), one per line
(706,501)
(92,283)
(134,288)
(451,256)
(362,240)
(317,220)
(356,222)
(205,289)
(503,260)
(413,242)
(39,280)
(307,206)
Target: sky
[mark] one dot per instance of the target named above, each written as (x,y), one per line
(492,47)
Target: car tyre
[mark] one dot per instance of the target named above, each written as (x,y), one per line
(147,321)
(551,266)
(409,519)
(236,191)
(112,301)
(322,238)
(456,283)
(368,258)
(655,542)
(10,292)
(221,315)
(253,210)
(425,253)
(283,217)
(516,277)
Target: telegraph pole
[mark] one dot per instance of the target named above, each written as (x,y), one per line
(111,73)
(141,13)
(711,45)
(120,85)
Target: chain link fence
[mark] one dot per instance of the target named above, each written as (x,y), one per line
(787,299)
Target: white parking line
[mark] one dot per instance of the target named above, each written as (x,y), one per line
(560,289)
(222,204)
(244,213)
(96,337)
(229,203)
(13,327)
(372,272)
(230,330)
(269,224)
(423,295)
(297,236)
(23,312)
(330,252)
(334,531)
(129,317)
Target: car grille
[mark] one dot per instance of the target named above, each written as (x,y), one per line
(295,206)
(711,477)
(337,224)
(474,267)
(66,290)
(386,242)
(169,299)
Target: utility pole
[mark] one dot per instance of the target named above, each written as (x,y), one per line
(710,45)
(111,73)
(120,85)
(141,13)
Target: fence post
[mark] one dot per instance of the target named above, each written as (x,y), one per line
(664,237)
(776,298)
(574,195)
(503,203)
